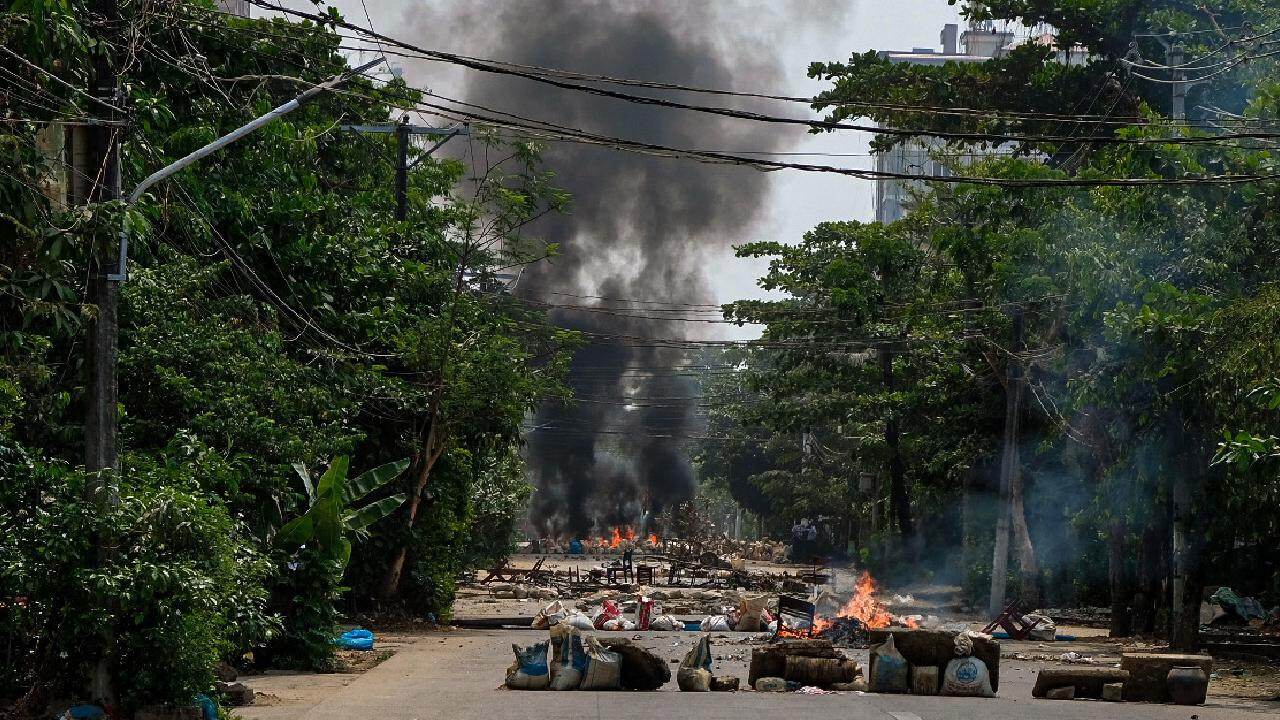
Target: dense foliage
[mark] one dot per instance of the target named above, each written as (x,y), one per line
(1149,345)
(276,315)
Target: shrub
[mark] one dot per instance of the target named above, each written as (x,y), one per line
(180,590)
(304,592)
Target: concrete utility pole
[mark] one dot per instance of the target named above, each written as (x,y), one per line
(101,165)
(1175,55)
(1008,465)
(403,131)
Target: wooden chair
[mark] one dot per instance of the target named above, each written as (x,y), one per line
(796,608)
(645,574)
(626,569)
(1014,622)
(675,573)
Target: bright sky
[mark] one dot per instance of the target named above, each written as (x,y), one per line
(797,200)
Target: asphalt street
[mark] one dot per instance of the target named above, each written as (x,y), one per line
(459,675)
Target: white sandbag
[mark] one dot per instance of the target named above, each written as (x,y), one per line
(603,668)
(715,623)
(614,625)
(666,623)
(967,676)
(530,670)
(568,659)
(1044,628)
(579,621)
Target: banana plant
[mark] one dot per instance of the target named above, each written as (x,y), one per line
(333,516)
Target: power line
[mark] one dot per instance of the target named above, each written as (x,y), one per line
(423,54)
(490,67)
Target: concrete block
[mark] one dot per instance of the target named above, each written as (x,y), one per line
(725,683)
(1062,693)
(1149,672)
(1113,692)
(1085,681)
(771,684)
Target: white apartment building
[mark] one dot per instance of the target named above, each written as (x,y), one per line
(981,41)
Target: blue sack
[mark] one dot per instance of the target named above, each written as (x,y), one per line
(355,640)
(208,708)
(575,547)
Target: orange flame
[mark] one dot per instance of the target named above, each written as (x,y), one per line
(863,606)
(616,538)
(653,539)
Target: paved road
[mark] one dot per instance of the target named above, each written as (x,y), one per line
(457,675)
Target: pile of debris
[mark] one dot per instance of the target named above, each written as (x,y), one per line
(922,662)
(618,612)
(1225,607)
(570,660)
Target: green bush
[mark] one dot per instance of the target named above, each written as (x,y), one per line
(304,593)
(180,590)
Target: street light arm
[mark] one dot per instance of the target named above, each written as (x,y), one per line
(121,273)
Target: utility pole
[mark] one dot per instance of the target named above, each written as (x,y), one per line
(1175,55)
(100,167)
(403,131)
(1008,465)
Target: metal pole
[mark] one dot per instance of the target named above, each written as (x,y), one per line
(402,168)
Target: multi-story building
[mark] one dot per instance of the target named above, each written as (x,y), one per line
(234,7)
(981,41)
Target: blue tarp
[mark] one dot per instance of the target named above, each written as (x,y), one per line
(355,640)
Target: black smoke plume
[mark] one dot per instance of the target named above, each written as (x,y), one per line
(640,227)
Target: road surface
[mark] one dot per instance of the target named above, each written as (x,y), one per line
(459,674)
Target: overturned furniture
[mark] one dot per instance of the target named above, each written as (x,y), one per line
(507,573)
(792,607)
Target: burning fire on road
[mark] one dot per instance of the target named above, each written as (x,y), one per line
(863,611)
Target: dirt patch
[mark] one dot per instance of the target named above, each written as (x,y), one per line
(1250,680)
(354,662)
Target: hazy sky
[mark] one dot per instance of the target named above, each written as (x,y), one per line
(799,31)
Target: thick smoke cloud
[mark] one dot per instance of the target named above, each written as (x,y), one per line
(640,227)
